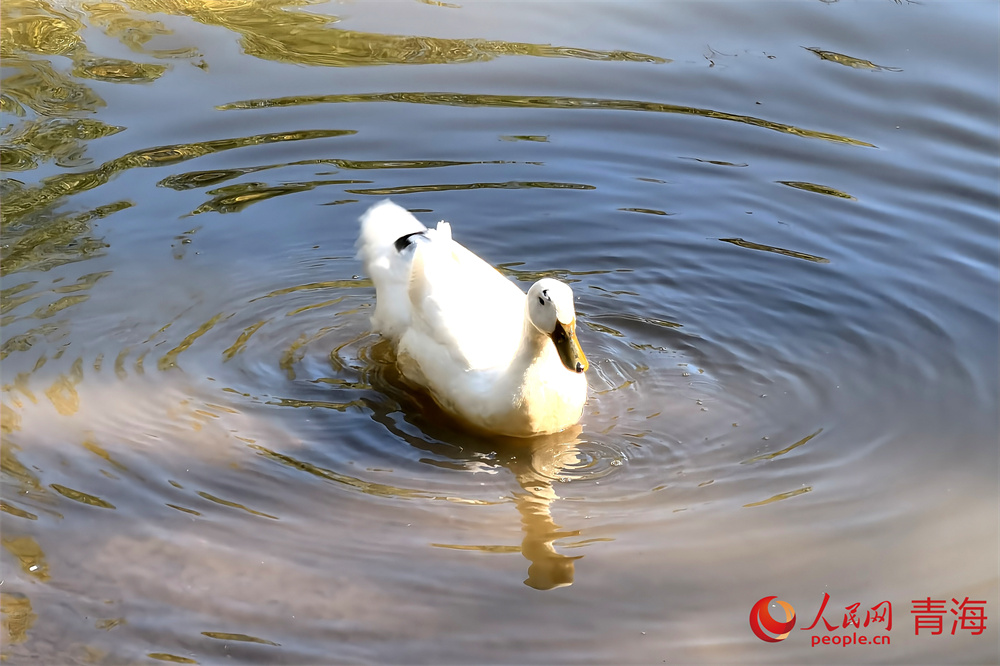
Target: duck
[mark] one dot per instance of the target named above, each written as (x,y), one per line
(496,358)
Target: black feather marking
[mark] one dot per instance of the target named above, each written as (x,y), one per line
(406,241)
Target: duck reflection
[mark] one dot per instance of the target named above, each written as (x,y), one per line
(535,470)
(538,464)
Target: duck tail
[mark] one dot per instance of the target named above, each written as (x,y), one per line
(383,226)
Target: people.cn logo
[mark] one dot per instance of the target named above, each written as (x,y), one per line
(763,625)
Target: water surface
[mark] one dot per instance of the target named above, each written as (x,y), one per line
(780,222)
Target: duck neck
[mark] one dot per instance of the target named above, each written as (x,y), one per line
(533,343)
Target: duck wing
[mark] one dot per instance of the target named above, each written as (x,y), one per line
(438,300)
(462,304)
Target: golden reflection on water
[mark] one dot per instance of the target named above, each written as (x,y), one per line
(780,496)
(117,71)
(197,179)
(34,30)
(47,241)
(272,32)
(366,487)
(240,638)
(242,340)
(787,449)
(81,497)
(235,198)
(235,505)
(9,463)
(15,511)
(441,187)
(540,102)
(29,555)
(647,211)
(294,353)
(132,30)
(818,189)
(172,658)
(56,139)
(21,201)
(849,61)
(169,360)
(750,245)
(91,445)
(511,269)
(62,393)
(17,617)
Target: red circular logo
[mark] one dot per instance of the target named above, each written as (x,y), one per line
(763,625)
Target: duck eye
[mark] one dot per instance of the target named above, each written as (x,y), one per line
(541,300)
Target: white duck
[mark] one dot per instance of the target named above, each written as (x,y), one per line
(498,359)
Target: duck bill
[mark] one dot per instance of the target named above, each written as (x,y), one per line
(568,346)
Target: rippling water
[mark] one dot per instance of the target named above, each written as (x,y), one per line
(780,221)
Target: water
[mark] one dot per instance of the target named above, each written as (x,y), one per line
(780,221)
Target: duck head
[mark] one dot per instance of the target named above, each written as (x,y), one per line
(551,312)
